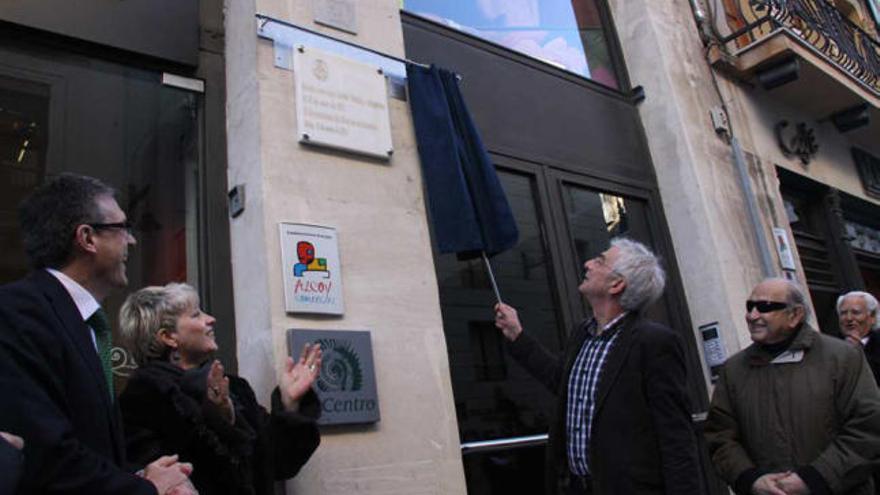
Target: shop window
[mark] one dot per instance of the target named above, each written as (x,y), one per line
(62,113)
(24,128)
(495,397)
(869,171)
(569,34)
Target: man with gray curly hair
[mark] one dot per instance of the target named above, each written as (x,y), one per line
(857,311)
(622,422)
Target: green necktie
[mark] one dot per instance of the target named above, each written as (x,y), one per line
(103,337)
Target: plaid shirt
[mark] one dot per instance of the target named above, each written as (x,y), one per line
(582,386)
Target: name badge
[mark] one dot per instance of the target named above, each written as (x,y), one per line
(789,357)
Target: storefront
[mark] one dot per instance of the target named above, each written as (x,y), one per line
(137,103)
(196,122)
(566,138)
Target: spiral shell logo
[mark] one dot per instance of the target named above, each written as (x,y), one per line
(341,370)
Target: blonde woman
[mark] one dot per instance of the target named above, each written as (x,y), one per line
(179,400)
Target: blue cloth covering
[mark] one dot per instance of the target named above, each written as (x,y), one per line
(468,208)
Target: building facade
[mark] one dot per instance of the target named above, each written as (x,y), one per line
(738,139)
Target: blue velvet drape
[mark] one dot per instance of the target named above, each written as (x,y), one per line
(468,208)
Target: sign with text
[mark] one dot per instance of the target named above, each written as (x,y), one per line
(341,103)
(783,249)
(311,270)
(346,386)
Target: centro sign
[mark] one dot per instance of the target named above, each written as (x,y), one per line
(346,387)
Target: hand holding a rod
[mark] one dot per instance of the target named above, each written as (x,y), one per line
(507,320)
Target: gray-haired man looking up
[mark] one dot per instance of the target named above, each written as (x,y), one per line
(622,422)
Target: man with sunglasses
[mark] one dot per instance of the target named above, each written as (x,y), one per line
(622,423)
(55,373)
(797,411)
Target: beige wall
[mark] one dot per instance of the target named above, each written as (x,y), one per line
(387,266)
(756,112)
(704,204)
(705,207)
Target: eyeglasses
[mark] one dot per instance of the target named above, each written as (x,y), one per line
(126,226)
(765,306)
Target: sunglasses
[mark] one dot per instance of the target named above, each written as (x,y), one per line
(765,306)
(126,225)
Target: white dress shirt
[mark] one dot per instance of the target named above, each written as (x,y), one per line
(84,300)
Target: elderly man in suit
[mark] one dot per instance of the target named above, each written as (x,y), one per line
(622,422)
(857,311)
(55,376)
(796,412)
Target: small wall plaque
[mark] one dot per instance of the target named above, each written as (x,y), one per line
(310,263)
(783,249)
(341,103)
(346,387)
(338,14)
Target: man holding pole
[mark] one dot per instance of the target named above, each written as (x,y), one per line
(622,422)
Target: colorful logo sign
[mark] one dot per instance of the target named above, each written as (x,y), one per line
(309,265)
(310,257)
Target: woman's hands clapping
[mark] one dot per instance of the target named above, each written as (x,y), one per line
(298,376)
(218,392)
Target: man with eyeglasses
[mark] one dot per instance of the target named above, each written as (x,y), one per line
(797,411)
(857,311)
(622,423)
(55,374)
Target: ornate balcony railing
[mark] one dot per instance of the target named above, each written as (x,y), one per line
(817,22)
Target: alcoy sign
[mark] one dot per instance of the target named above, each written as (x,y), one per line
(311,270)
(346,386)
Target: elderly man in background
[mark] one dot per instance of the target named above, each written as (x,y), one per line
(622,422)
(858,321)
(797,411)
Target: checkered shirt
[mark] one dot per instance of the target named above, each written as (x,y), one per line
(583,383)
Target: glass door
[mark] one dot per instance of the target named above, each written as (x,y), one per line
(591,213)
(498,403)
(61,112)
(564,219)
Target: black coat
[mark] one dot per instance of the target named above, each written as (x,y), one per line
(165,412)
(10,467)
(55,396)
(643,440)
(872,354)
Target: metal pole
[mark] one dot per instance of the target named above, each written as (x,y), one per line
(767,266)
(491,276)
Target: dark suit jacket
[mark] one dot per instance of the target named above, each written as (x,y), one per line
(872,354)
(55,395)
(643,440)
(10,467)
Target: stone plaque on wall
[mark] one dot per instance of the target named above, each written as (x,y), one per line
(346,385)
(341,103)
(339,14)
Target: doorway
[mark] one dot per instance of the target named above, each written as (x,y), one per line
(564,218)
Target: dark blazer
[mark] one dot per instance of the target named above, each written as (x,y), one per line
(10,467)
(55,395)
(872,354)
(165,410)
(643,440)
